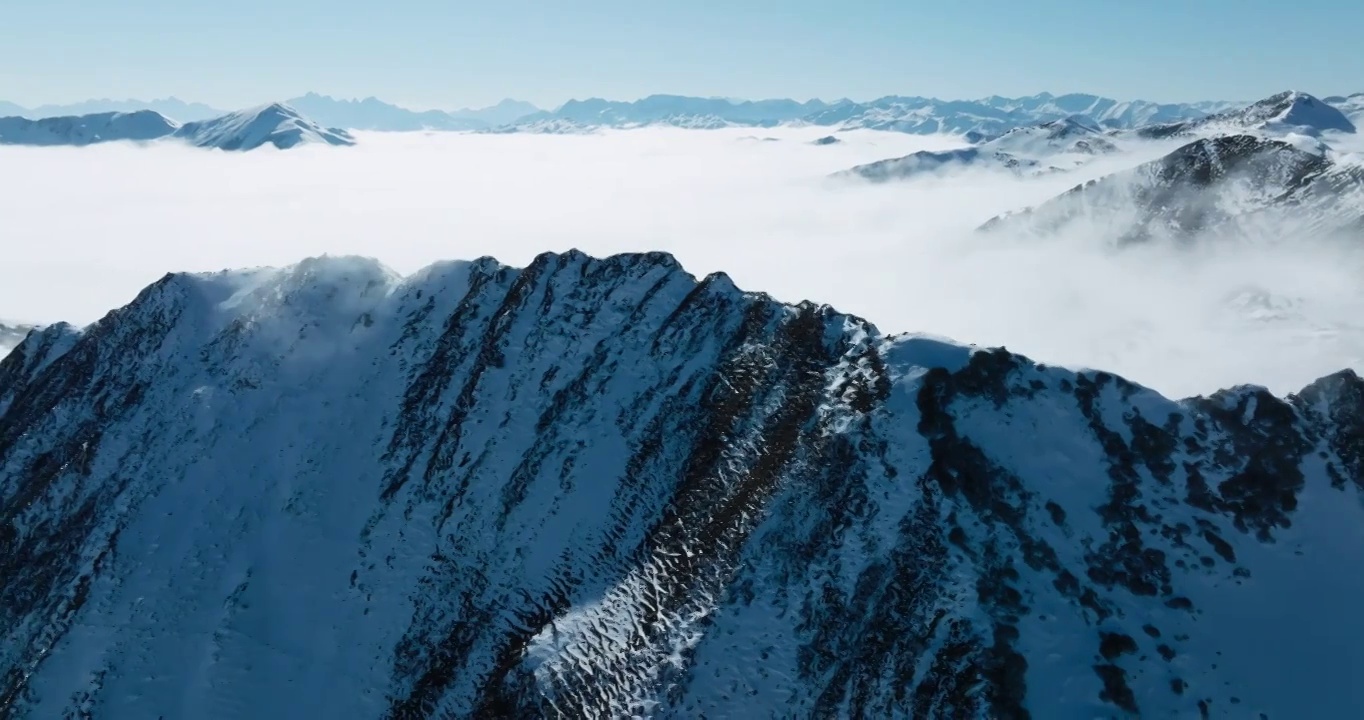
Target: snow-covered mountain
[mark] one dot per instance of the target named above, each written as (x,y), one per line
(1224,185)
(601,488)
(85,129)
(994,116)
(1054,146)
(988,117)
(275,124)
(278,125)
(674,110)
(367,114)
(1286,112)
(545,126)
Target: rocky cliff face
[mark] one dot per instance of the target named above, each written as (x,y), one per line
(601,488)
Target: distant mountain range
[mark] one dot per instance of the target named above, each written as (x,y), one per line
(367,114)
(276,125)
(979,120)
(985,117)
(1046,147)
(989,116)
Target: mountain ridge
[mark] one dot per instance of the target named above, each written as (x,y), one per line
(598,487)
(1223,185)
(274,124)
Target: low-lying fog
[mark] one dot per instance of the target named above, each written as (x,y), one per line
(86,228)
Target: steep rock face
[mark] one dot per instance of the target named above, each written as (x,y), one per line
(600,488)
(1223,185)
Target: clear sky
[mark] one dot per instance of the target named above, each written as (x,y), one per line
(452,53)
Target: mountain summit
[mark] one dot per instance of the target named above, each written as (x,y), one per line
(603,488)
(275,124)
(1286,112)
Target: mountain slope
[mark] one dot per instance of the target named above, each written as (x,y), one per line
(1223,186)
(1286,112)
(1053,146)
(599,488)
(275,124)
(85,129)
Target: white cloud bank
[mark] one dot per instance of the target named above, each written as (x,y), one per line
(82,230)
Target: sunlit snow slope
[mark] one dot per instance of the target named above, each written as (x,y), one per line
(601,488)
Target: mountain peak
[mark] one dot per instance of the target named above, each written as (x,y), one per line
(1296,109)
(274,124)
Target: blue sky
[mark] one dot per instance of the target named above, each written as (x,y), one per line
(428,53)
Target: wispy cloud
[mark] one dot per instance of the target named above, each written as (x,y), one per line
(86,228)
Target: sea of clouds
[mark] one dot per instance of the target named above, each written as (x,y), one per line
(84,229)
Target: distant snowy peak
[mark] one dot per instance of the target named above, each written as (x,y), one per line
(1220,185)
(85,129)
(1070,135)
(994,116)
(987,117)
(275,124)
(1287,112)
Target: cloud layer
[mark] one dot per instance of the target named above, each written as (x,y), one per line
(85,229)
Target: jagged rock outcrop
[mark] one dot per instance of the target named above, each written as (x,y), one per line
(601,488)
